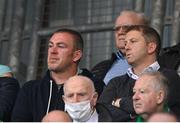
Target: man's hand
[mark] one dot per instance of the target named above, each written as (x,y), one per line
(116,102)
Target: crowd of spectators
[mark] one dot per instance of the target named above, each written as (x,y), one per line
(138,83)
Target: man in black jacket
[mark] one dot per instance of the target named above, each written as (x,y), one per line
(117,65)
(142,47)
(9,88)
(38,97)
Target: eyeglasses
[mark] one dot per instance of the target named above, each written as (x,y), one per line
(125,28)
(122,27)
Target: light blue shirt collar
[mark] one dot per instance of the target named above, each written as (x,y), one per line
(151,68)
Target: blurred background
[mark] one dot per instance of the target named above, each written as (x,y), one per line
(26,25)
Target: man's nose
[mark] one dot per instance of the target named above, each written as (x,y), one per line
(53,49)
(135,96)
(75,99)
(126,46)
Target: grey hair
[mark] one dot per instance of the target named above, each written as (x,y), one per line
(160,82)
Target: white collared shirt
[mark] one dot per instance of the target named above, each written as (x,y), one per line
(94,117)
(151,68)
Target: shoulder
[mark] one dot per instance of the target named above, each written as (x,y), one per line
(104,63)
(8,80)
(171,50)
(38,82)
(8,86)
(119,82)
(100,65)
(167,71)
(86,72)
(120,79)
(171,75)
(33,86)
(90,75)
(31,83)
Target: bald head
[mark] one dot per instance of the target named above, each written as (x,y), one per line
(57,116)
(80,81)
(131,18)
(79,88)
(128,17)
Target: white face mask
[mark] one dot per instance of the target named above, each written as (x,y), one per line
(80,111)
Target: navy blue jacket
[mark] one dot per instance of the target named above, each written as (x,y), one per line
(9,88)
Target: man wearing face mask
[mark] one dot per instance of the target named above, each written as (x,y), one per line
(80,101)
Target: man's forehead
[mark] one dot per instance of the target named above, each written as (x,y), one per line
(62,35)
(78,82)
(144,81)
(127,20)
(75,90)
(133,31)
(134,34)
(75,84)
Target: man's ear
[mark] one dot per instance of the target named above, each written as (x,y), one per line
(151,47)
(77,55)
(160,97)
(94,98)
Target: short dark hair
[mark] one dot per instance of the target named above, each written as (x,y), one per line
(149,33)
(79,42)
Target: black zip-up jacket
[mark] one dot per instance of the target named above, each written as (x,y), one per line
(103,67)
(122,87)
(9,88)
(34,97)
(170,58)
